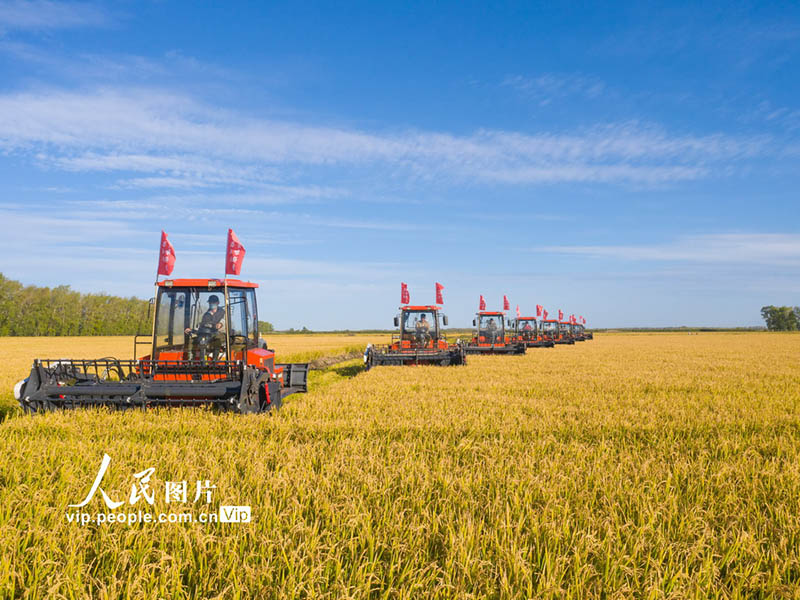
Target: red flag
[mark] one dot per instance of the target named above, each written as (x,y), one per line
(439,288)
(560,315)
(506,303)
(544,314)
(518,315)
(405,298)
(583,320)
(234,255)
(539,309)
(572,319)
(482,304)
(166,256)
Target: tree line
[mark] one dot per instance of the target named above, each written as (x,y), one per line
(781,318)
(34,310)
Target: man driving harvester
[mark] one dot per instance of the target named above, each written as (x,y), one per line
(207,333)
(422,328)
(491,331)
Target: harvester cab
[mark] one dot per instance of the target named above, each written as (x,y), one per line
(420,341)
(202,320)
(489,335)
(419,327)
(204,350)
(564,333)
(527,331)
(576,331)
(549,330)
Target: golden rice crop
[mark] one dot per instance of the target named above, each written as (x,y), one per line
(662,465)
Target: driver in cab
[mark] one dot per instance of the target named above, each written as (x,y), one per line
(491,330)
(527,330)
(207,339)
(212,319)
(422,328)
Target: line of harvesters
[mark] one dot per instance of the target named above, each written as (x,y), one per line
(421,341)
(204,349)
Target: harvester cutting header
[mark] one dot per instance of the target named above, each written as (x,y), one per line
(204,350)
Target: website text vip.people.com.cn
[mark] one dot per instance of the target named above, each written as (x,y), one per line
(225,514)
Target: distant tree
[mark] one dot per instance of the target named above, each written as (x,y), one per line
(781,318)
(265,327)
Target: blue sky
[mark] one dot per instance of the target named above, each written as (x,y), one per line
(637,164)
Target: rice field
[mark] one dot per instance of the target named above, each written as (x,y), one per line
(630,466)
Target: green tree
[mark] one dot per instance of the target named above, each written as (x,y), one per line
(34,310)
(781,318)
(265,327)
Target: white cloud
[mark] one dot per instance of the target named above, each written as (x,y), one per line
(549,87)
(777,249)
(178,142)
(47,14)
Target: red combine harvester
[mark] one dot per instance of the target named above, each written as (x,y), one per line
(419,342)
(551,330)
(527,331)
(576,331)
(204,350)
(489,336)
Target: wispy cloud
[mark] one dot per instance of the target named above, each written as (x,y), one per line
(547,88)
(47,14)
(741,248)
(181,143)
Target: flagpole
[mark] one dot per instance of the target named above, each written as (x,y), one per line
(155,299)
(227,302)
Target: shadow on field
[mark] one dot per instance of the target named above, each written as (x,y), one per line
(349,370)
(321,378)
(7,411)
